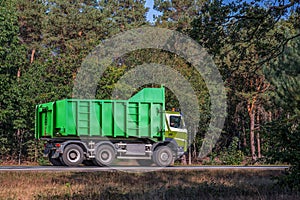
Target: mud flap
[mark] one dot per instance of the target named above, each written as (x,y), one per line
(47,149)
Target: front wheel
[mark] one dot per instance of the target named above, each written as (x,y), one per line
(105,155)
(73,155)
(163,156)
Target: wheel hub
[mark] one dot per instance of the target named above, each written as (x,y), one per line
(164,156)
(104,156)
(73,156)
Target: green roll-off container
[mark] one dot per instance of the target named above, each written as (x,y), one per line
(141,116)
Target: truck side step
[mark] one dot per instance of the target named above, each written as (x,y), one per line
(134,157)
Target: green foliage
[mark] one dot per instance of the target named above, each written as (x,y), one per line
(177,14)
(283,137)
(35,150)
(12,61)
(243,37)
(109,80)
(232,155)
(43,43)
(212,159)
(11,56)
(43,161)
(5,148)
(283,133)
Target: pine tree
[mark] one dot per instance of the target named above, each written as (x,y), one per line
(42,46)
(283,132)
(12,59)
(243,37)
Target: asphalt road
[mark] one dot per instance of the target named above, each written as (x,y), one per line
(134,168)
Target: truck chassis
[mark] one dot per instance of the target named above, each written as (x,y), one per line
(103,152)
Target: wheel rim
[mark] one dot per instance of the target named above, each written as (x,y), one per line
(164,156)
(73,155)
(105,156)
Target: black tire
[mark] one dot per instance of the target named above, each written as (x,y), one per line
(73,155)
(163,156)
(105,155)
(95,163)
(54,161)
(62,162)
(145,163)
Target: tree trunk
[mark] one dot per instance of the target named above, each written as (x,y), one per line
(19,74)
(20,146)
(258,137)
(252,138)
(270,116)
(36,151)
(183,160)
(244,136)
(194,154)
(190,155)
(251,112)
(32,56)
(258,145)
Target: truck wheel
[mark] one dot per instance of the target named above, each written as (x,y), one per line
(163,156)
(73,155)
(61,160)
(105,155)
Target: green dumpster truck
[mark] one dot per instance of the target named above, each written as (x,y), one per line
(93,131)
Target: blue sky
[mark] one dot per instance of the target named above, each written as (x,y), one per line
(149,4)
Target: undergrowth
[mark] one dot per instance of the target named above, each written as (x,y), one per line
(213,184)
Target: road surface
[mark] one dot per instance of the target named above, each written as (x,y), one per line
(134,168)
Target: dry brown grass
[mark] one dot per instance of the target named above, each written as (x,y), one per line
(214,184)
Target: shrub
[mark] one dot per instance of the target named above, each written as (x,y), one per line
(231,155)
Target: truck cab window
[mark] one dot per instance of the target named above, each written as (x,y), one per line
(175,121)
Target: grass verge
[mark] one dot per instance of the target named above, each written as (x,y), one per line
(206,184)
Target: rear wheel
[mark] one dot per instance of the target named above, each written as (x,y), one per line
(105,155)
(163,156)
(73,155)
